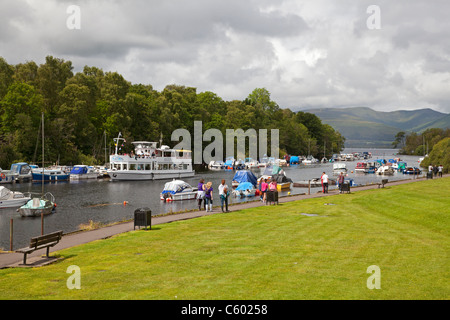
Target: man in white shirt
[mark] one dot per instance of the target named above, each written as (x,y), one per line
(324,179)
(223,194)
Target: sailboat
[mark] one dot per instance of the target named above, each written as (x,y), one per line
(46,203)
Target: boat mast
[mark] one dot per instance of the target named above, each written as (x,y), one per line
(43,153)
(117,141)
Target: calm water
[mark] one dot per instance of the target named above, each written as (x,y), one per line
(102,200)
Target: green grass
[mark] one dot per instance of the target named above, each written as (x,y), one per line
(268,253)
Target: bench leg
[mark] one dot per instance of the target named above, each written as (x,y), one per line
(24,258)
(48,251)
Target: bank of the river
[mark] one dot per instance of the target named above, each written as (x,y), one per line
(318,248)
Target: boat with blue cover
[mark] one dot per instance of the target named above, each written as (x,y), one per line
(178,190)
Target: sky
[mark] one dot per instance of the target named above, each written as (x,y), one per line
(385,55)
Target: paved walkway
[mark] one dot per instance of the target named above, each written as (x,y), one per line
(12,259)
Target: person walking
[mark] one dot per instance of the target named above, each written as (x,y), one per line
(264,187)
(201,194)
(223,193)
(209,196)
(440,170)
(341,179)
(324,180)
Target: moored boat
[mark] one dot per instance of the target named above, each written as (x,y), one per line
(339,167)
(178,190)
(49,175)
(385,170)
(243,176)
(150,163)
(12,199)
(80,172)
(245,189)
(38,206)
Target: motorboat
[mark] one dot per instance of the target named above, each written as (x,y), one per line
(245,189)
(412,170)
(83,172)
(313,183)
(339,167)
(251,163)
(38,206)
(178,190)
(310,160)
(243,176)
(275,173)
(385,170)
(12,199)
(21,171)
(6,177)
(216,165)
(55,174)
(362,167)
(229,164)
(239,164)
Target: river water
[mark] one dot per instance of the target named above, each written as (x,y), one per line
(102,200)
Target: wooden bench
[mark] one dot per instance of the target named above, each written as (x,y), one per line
(383,182)
(41,242)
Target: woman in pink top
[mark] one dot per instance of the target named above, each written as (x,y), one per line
(273,185)
(264,187)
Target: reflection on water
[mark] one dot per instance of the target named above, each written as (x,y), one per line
(103,200)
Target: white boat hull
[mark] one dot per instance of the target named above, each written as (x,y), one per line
(85,176)
(180,196)
(14,203)
(137,175)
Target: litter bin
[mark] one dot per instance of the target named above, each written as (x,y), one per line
(272,196)
(429,175)
(345,187)
(143,218)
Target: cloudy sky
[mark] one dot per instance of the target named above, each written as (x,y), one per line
(308,54)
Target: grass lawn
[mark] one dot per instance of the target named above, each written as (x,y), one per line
(268,253)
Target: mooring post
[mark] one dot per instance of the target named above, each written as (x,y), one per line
(42,223)
(11,235)
(309,187)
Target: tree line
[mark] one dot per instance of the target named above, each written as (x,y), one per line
(419,144)
(83,109)
(434,143)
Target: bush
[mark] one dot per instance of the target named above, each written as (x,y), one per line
(440,155)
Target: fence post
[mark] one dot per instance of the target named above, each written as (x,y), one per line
(11,235)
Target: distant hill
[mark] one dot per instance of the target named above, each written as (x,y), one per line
(364,127)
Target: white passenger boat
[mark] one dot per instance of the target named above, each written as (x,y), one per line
(150,163)
(12,199)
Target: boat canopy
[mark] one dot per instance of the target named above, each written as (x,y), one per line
(339,166)
(245,186)
(175,186)
(294,160)
(271,170)
(4,193)
(245,176)
(79,170)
